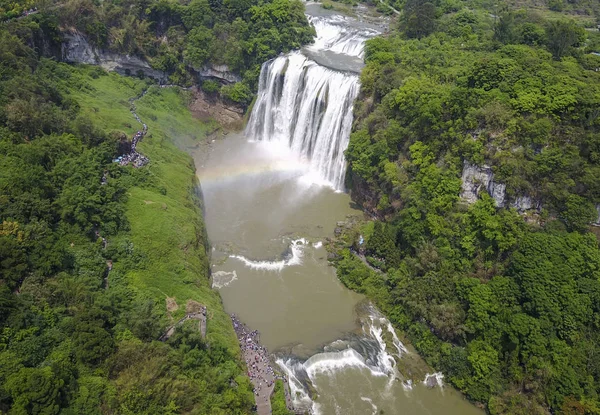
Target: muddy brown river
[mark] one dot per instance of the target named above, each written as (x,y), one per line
(267,221)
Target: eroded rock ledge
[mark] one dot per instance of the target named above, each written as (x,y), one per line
(205,106)
(76,48)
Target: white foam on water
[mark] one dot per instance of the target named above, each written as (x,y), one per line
(318,245)
(370,401)
(387,363)
(400,348)
(336,34)
(222,279)
(329,362)
(296,248)
(300,397)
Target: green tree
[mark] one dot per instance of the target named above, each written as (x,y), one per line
(418,19)
(563,36)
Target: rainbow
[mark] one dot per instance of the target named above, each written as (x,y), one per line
(226,173)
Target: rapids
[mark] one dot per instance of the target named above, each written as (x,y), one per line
(272,197)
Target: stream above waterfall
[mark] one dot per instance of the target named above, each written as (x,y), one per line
(272,196)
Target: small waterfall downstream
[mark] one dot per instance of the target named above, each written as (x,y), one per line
(366,352)
(305,98)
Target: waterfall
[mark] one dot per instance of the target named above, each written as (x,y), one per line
(367,352)
(305,98)
(308,108)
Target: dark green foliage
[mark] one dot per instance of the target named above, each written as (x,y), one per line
(562,36)
(239,93)
(181,38)
(418,19)
(211,86)
(505,307)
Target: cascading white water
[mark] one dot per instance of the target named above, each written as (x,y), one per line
(334,33)
(307,106)
(367,352)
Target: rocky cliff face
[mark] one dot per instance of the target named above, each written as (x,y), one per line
(597,222)
(478,178)
(219,72)
(362,194)
(77,49)
(205,106)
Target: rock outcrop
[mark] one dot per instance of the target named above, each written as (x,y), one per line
(205,106)
(477,178)
(76,49)
(597,221)
(220,73)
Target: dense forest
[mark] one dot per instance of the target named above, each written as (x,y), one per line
(503,297)
(76,338)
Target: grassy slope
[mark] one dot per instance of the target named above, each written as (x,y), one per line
(165,219)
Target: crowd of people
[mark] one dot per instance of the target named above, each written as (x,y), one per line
(260,371)
(133,157)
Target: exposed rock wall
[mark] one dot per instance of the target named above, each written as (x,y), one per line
(205,106)
(477,178)
(597,222)
(219,72)
(77,49)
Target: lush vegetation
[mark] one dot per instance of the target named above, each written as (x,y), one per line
(504,302)
(76,338)
(178,37)
(13,9)
(278,405)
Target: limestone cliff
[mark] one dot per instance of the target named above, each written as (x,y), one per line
(77,49)
(477,178)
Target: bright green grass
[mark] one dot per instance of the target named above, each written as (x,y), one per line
(278,405)
(105,100)
(165,218)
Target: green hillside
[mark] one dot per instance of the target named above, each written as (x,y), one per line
(499,294)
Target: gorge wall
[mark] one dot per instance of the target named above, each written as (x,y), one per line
(76,48)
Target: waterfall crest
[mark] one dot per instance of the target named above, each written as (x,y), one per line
(337,34)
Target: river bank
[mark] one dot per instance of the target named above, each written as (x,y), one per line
(260,371)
